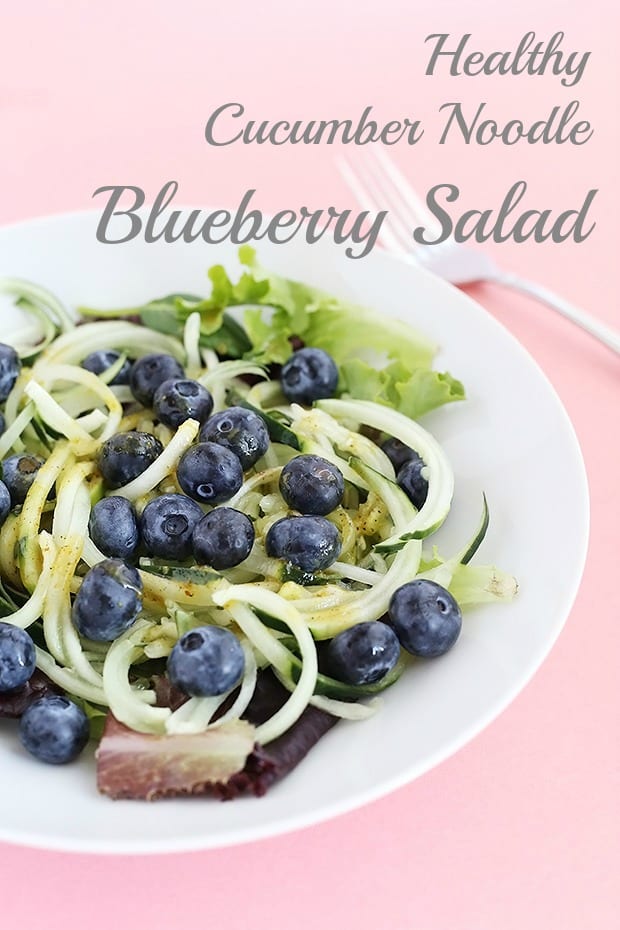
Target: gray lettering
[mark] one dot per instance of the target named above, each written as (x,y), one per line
(442,38)
(111,211)
(215,116)
(439,213)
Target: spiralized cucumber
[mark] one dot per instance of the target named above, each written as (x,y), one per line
(439,471)
(62,412)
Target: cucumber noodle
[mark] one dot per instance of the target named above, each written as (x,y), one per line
(62,412)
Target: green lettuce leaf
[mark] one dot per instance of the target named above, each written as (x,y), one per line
(360,340)
(412,392)
(380,358)
(343,329)
(218,330)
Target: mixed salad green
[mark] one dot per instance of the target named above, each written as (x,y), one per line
(204,493)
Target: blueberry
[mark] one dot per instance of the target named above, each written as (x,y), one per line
(5,502)
(53,729)
(311,543)
(425,617)
(102,359)
(397,452)
(17,657)
(10,367)
(223,538)
(113,527)
(411,480)
(124,456)
(209,473)
(362,654)
(240,430)
(18,473)
(206,661)
(311,484)
(109,600)
(148,372)
(177,400)
(167,524)
(309,375)
(2,423)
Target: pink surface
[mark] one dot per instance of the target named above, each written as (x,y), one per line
(519,829)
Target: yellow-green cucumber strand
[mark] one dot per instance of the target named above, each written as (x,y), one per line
(32,510)
(238,600)
(441,477)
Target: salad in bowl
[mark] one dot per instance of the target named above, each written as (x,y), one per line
(217,517)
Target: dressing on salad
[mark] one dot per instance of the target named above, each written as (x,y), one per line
(196,510)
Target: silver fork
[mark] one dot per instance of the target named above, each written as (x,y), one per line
(378,185)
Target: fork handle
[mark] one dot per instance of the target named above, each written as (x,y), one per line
(596,328)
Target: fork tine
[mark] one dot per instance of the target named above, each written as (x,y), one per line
(418,215)
(369,202)
(372,176)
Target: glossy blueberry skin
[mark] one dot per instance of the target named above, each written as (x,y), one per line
(180,399)
(209,473)
(148,372)
(311,543)
(124,456)
(17,657)
(412,481)
(5,502)
(206,661)
(363,654)
(309,375)
(425,617)
(109,600)
(240,430)
(10,367)
(311,485)
(102,359)
(223,538)
(18,473)
(53,729)
(167,524)
(397,452)
(113,527)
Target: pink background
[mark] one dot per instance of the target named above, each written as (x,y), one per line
(519,829)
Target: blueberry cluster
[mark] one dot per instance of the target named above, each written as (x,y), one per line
(197,523)
(174,526)
(423,618)
(52,728)
(211,471)
(313,487)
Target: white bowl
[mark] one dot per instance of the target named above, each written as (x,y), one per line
(511,439)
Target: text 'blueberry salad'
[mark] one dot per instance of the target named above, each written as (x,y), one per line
(214,529)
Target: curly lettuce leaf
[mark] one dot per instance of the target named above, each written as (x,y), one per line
(412,392)
(218,330)
(343,329)
(357,338)
(380,358)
